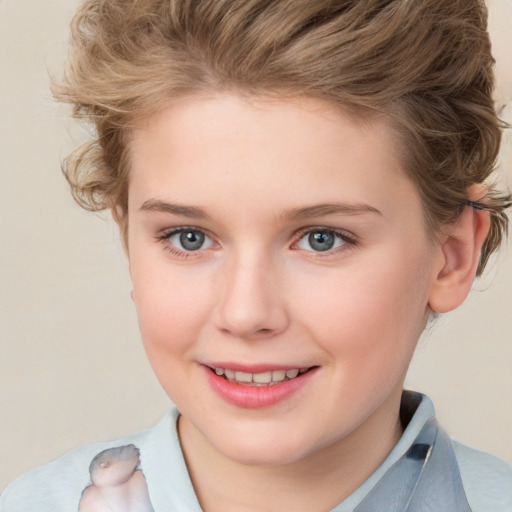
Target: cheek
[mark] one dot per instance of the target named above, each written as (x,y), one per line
(172,304)
(369,314)
(170,311)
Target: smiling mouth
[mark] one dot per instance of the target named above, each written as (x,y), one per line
(269,378)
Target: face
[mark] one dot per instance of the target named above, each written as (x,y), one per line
(280,270)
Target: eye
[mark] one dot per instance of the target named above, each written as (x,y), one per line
(189,239)
(321,240)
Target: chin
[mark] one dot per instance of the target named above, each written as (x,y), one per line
(263,457)
(272,448)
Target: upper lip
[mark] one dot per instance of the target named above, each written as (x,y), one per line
(254,368)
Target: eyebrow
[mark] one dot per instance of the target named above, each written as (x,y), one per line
(318,210)
(329,209)
(156,205)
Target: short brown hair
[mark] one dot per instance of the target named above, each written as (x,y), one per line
(426,64)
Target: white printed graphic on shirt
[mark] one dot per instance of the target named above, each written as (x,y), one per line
(117,483)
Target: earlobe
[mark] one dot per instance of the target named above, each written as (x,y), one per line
(459,259)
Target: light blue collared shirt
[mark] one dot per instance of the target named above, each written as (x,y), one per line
(58,485)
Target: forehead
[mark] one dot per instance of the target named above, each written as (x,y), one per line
(304,150)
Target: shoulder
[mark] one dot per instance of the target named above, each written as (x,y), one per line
(487,480)
(58,485)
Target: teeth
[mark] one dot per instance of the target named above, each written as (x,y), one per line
(262,378)
(278,375)
(269,378)
(243,377)
(291,374)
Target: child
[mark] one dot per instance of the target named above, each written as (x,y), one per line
(300,187)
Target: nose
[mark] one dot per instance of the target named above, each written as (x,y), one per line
(251,302)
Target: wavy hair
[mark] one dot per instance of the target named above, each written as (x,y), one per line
(425,64)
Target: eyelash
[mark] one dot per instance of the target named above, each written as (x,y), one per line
(350,241)
(182,254)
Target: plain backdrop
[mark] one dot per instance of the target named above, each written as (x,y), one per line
(72,368)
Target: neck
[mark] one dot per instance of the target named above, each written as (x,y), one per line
(319,481)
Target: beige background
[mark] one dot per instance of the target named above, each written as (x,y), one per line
(72,369)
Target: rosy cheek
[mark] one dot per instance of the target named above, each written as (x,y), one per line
(169,309)
(354,313)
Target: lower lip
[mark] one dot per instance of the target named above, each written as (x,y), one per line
(256,397)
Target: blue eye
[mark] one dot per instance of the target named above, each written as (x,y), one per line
(190,240)
(321,240)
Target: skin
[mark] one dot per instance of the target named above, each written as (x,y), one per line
(257,292)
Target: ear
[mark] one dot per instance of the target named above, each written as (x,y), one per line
(460,253)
